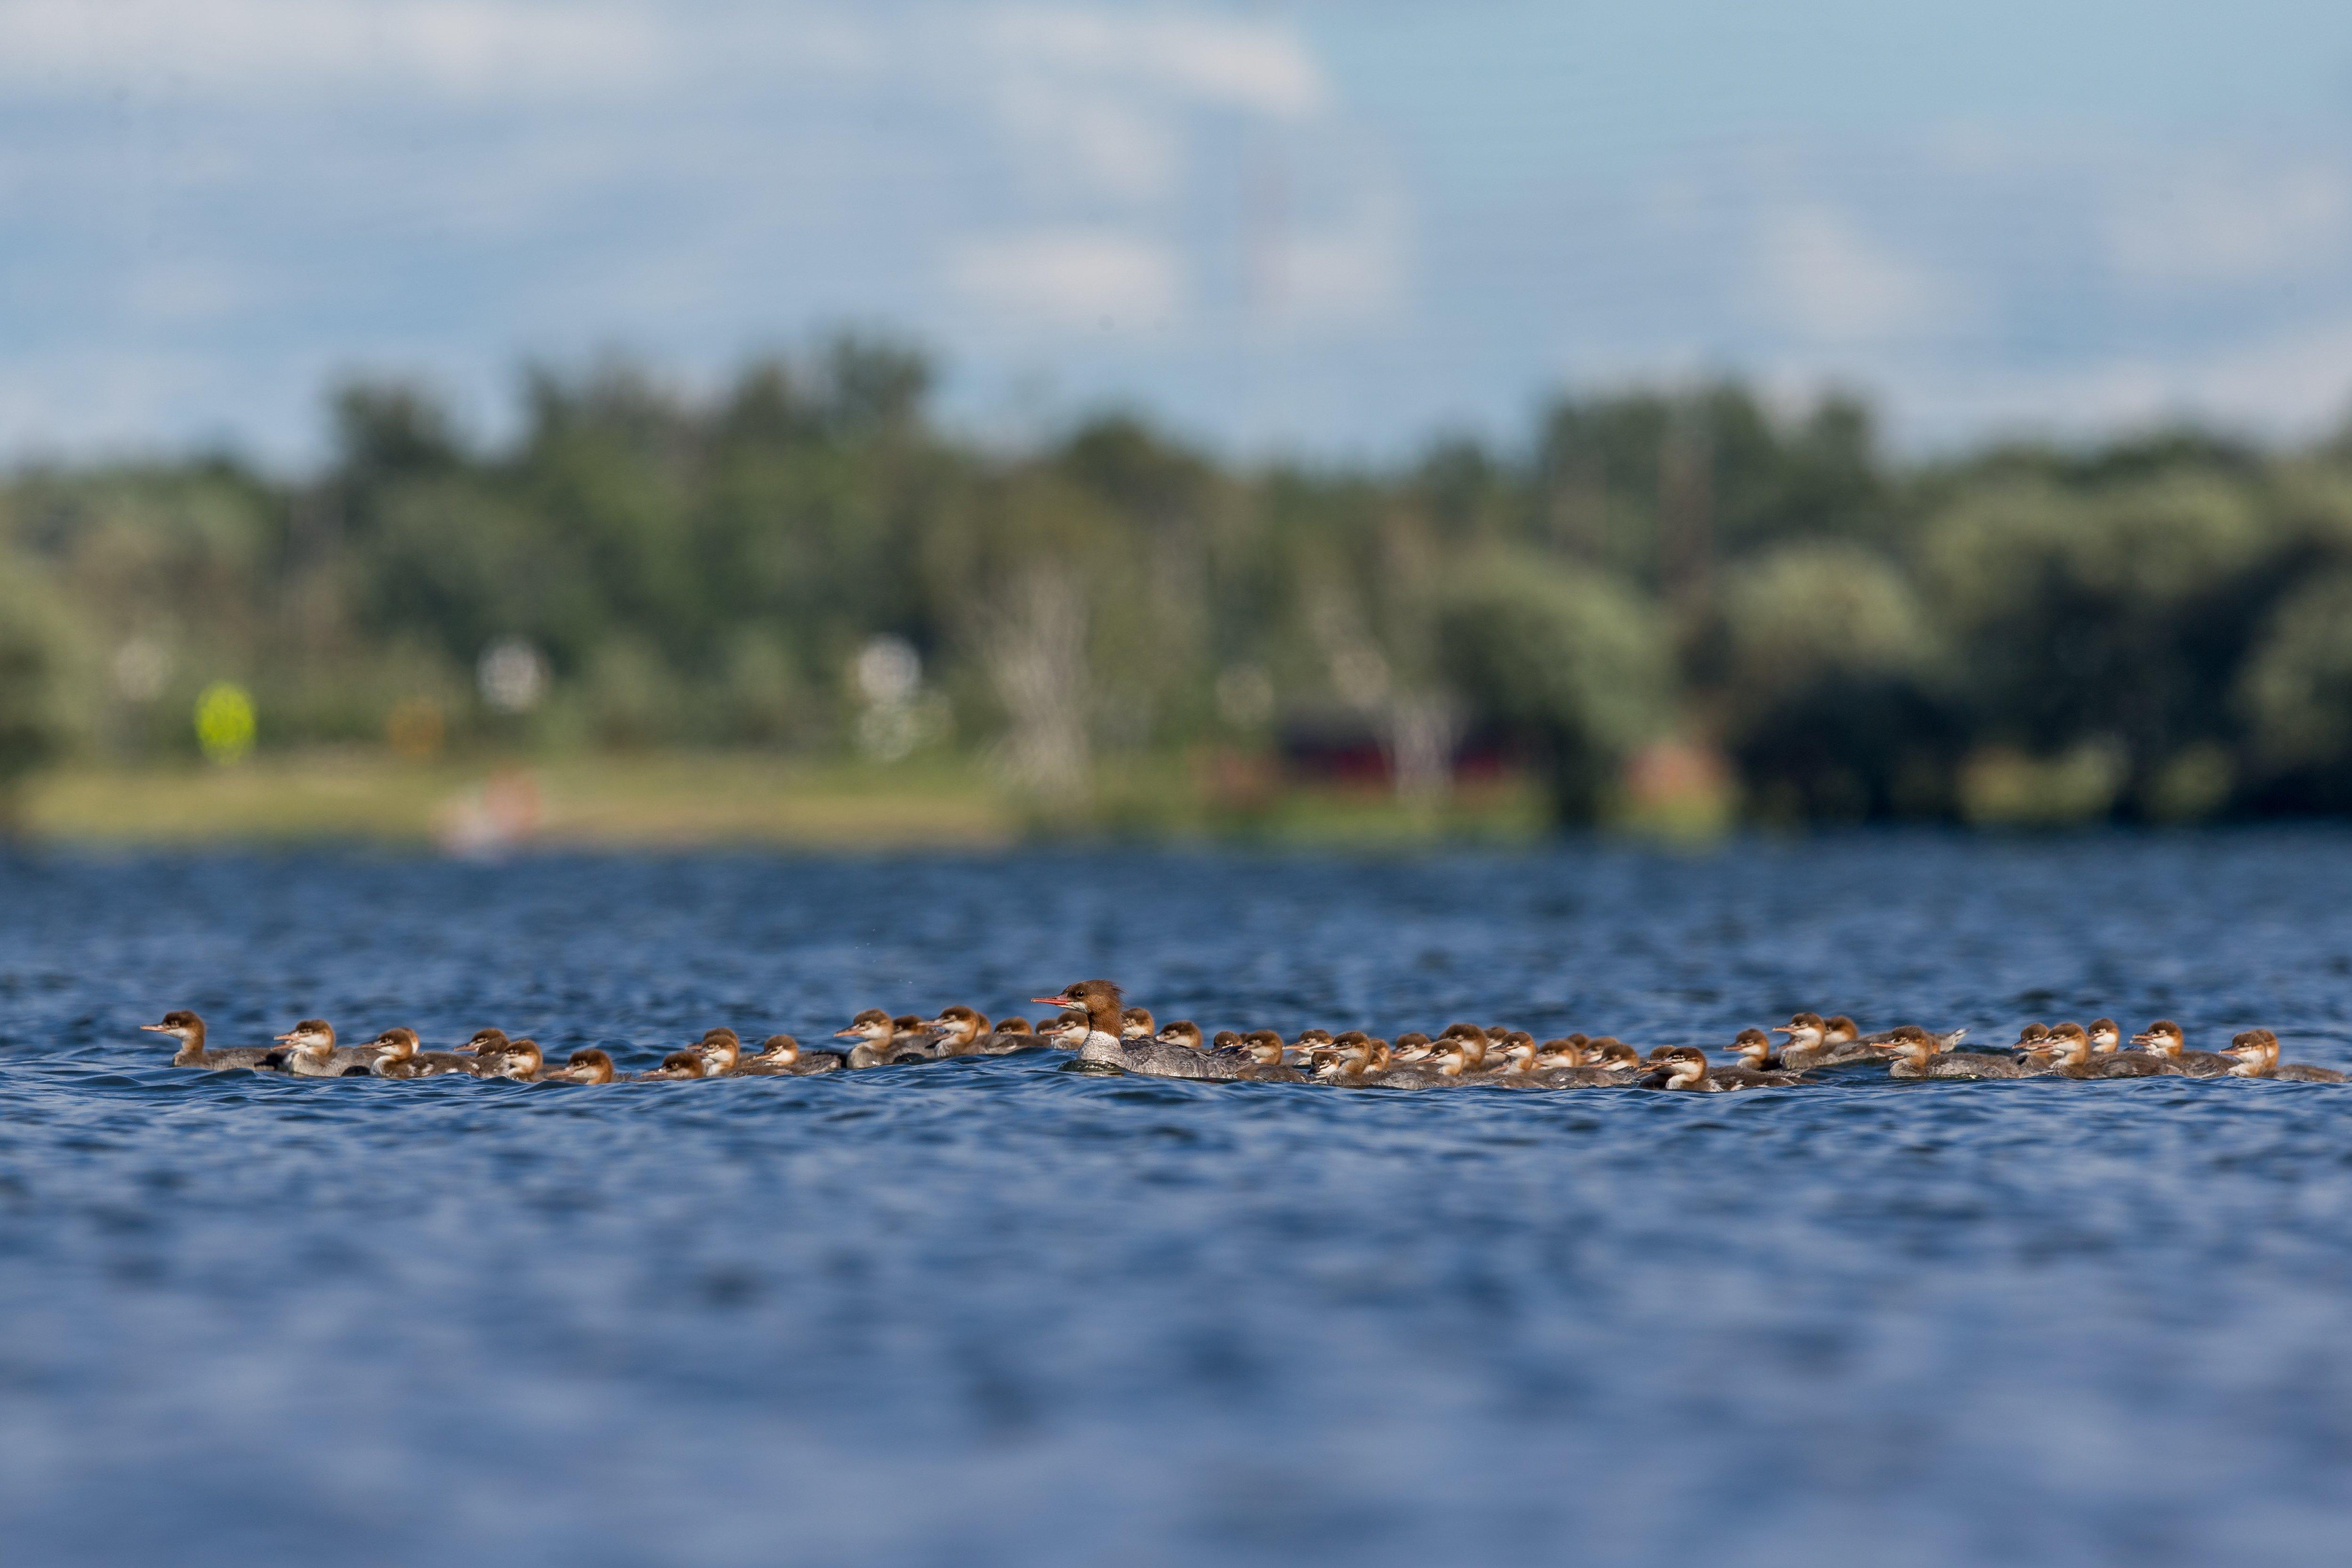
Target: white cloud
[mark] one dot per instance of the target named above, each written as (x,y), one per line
(1826,279)
(1260,67)
(2219,225)
(1071,279)
(474,49)
(1077,139)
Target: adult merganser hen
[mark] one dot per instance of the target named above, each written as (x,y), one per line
(189,1031)
(780,1056)
(678,1065)
(1102,1045)
(312,1052)
(2107,1038)
(1919,1054)
(879,1043)
(396,1056)
(2164,1038)
(588,1066)
(2257,1050)
(2070,1048)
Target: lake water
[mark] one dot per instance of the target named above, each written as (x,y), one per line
(989,1311)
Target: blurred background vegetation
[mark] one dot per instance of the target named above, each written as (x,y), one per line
(1679,609)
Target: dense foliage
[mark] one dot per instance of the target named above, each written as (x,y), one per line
(2155,629)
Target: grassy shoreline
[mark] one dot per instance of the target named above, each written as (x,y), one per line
(675,799)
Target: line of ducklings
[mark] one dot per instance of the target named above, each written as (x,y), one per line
(1105,1035)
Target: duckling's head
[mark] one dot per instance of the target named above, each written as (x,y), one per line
(398,1043)
(962,1024)
(1753,1045)
(2071,1041)
(2106,1034)
(311,1035)
(872,1026)
(487,1041)
(908,1023)
(1264,1045)
(1449,1055)
(722,1049)
(1680,1064)
(1614,1053)
(1839,1029)
(2033,1036)
(591,1066)
(2163,1035)
(1069,1030)
(1412,1046)
(2255,1047)
(681,1064)
(1802,1027)
(1183,1032)
(781,1050)
(179,1023)
(1014,1026)
(1914,1044)
(1567,1051)
(1135,1023)
(1226,1039)
(1314,1039)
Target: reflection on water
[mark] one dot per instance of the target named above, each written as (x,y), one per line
(985,1311)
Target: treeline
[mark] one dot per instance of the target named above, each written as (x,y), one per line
(2155,629)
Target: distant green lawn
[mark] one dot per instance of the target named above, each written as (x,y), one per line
(710,799)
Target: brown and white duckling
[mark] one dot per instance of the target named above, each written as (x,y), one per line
(780,1056)
(1183,1032)
(1754,1049)
(2033,1036)
(2107,1040)
(1684,1068)
(1919,1054)
(960,1030)
(2070,1049)
(677,1066)
(1477,1045)
(189,1031)
(1518,1051)
(484,1043)
(721,1049)
(312,1052)
(1267,1063)
(880,1042)
(1135,1023)
(1749,1071)
(1411,1046)
(2257,1050)
(2164,1038)
(1066,1033)
(397,1057)
(1226,1039)
(588,1066)
(520,1059)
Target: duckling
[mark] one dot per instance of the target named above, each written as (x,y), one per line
(397,1057)
(780,1056)
(1411,1046)
(1918,1055)
(2107,1038)
(1135,1023)
(721,1050)
(189,1031)
(1226,1039)
(1184,1033)
(520,1059)
(312,1052)
(1266,1052)
(880,1042)
(484,1044)
(676,1065)
(1684,1068)
(2164,1038)
(588,1066)
(2070,1049)
(2033,1036)
(963,1031)
(2257,1050)
(1754,1049)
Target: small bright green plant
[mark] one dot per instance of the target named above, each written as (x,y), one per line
(225,722)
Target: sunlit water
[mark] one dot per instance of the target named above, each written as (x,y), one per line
(993,1312)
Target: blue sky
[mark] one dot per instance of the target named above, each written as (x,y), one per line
(1332,227)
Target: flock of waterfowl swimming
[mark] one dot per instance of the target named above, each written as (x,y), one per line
(1108,1035)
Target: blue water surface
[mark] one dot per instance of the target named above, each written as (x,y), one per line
(989,1311)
